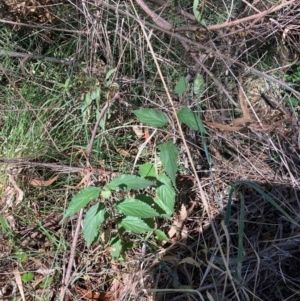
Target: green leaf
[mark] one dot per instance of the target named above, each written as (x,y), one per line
(27,277)
(47,282)
(108,77)
(168,156)
(199,85)
(229,204)
(195,10)
(181,86)
(95,95)
(20,255)
(128,182)
(93,220)
(116,244)
(147,170)
(192,120)
(106,194)
(134,207)
(134,224)
(81,199)
(110,73)
(160,235)
(165,195)
(203,22)
(151,117)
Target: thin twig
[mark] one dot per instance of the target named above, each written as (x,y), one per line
(236,22)
(103,111)
(53,166)
(72,256)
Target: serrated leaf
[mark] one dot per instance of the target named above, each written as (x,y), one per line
(134,224)
(116,246)
(135,207)
(151,117)
(165,195)
(93,220)
(181,86)
(192,120)
(147,170)
(199,85)
(168,157)
(81,199)
(160,235)
(128,182)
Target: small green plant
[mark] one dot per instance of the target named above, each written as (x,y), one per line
(132,202)
(27,277)
(294,76)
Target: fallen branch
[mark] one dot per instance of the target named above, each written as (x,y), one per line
(161,22)
(35,57)
(255,17)
(158,20)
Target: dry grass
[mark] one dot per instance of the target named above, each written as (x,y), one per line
(236,237)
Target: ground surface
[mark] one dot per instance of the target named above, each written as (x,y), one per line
(233,231)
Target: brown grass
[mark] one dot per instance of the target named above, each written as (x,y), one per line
(239,244)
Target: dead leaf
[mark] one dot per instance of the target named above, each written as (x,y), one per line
(42,183)
(224,127)
(242,97)
(20,193)
(190,260)
(177,225)
(116,285)
(82,183)
(147,136)
(105,235)
(110,249)
(209,296)
(170,258)
(9,196)
(19,282)
(184,235)
(45,271)
(11,221)
(124,153)
(102,296)
(241,121)
(238,123)
(191,209)
(138,131)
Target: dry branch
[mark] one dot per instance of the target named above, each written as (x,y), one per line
(35,57)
